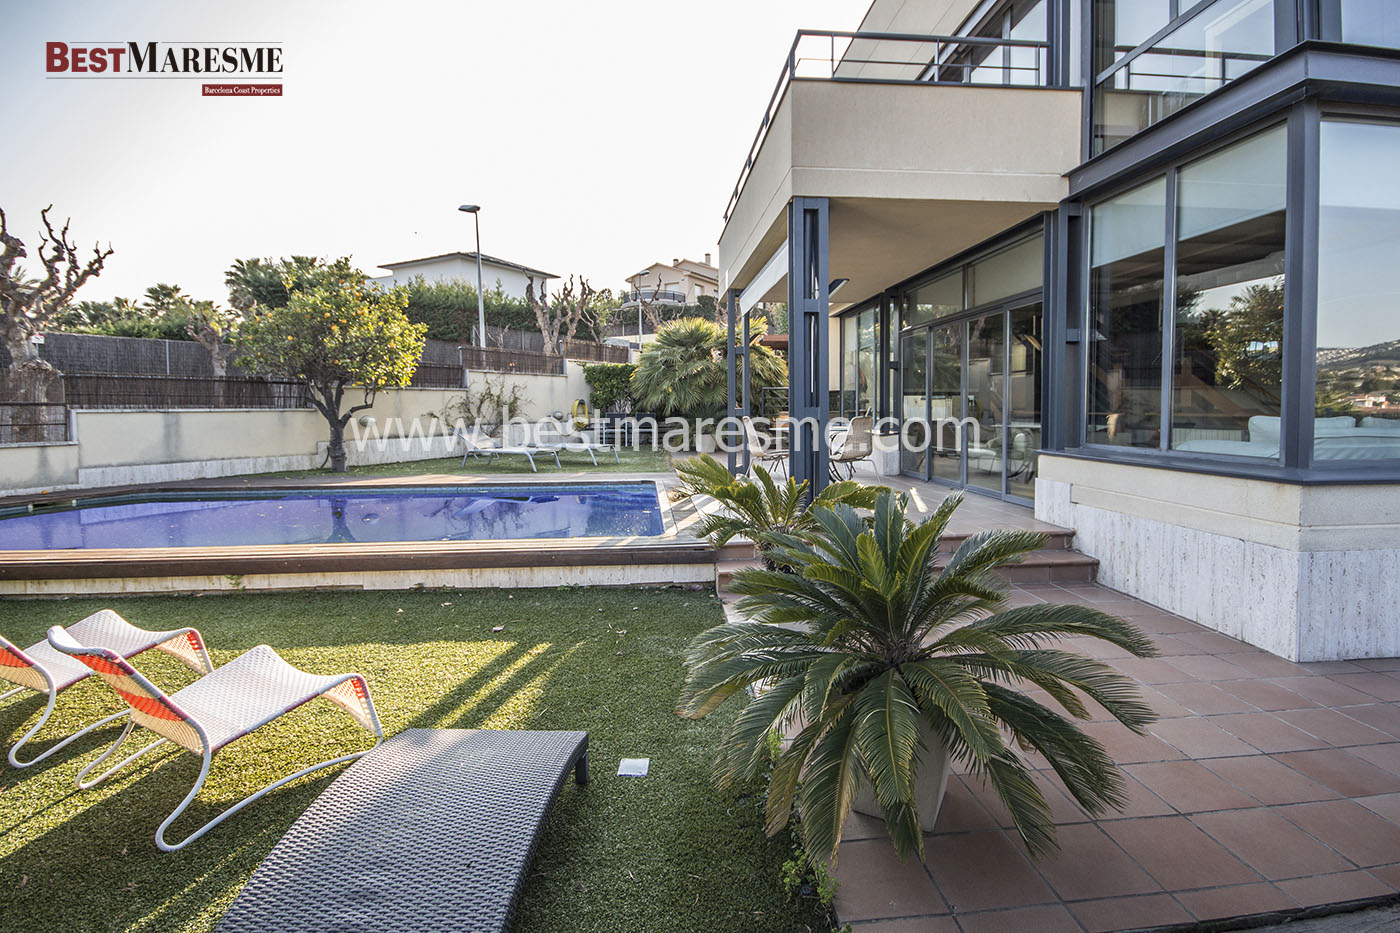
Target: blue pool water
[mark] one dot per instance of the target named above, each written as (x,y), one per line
(305,516)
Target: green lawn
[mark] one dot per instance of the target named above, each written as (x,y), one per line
(665,852)
(632,461)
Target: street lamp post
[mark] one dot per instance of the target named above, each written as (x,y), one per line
(475,211)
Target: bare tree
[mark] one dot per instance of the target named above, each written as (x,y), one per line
(212,328)
(559,317)
(27,306)
(651,308)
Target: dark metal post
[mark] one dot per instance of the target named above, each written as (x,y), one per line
(745,384)
(809,309)
(731,308)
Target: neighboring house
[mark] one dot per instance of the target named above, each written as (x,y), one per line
(1131,247)
(683,282)
(512,277)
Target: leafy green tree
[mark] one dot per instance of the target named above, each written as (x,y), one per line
(333,337)
(867,658)
(270,284)
(448,307)
(610,385)
(683,372)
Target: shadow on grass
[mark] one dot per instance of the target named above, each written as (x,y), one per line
(669,852)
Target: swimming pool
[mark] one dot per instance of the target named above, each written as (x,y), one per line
(203,519)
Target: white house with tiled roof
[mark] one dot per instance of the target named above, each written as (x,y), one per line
(512,277)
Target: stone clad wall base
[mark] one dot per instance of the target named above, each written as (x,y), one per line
(1291,594)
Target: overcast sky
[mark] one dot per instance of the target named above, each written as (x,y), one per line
(598,137)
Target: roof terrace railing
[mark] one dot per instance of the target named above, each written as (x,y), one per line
(899,58)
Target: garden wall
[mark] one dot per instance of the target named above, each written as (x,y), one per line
(121,447)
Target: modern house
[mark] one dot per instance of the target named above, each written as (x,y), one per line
(1134,264)
(683,282)
(512,277)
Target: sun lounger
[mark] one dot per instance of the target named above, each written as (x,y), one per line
(245,694)
(481,447)
(432,831)
(41,668)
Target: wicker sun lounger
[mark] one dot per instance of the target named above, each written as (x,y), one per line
(433,830)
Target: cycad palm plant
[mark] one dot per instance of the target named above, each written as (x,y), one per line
(866,656)
(760,509)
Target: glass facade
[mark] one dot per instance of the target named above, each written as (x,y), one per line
(859,338)
(1227,349)
(1223,341)
(1358,293)
(1371,22)
(972,381)
(1126,282)
(940,298)
(1207,49)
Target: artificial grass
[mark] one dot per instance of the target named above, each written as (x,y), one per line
(664,852)
(632,461)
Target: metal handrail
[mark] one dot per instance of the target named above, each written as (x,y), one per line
(656,294)
(929,72)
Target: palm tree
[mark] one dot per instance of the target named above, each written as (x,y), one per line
(872,663)
(759,509)
(683,371)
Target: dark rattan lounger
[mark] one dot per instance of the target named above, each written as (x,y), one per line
(433,830)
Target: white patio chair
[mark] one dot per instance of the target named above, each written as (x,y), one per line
(479,447)
(250,691)
(40,668)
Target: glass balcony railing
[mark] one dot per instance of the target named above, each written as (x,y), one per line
(897,58)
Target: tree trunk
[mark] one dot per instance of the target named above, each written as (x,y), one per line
(337,445)
(34,386)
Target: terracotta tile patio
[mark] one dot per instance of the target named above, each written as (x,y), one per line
(1266,786)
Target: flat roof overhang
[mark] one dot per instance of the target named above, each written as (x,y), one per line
(914,173)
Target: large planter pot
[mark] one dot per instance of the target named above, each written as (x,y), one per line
(706,444)
(930,781)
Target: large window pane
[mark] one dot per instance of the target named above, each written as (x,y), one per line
(946,408)
(865,364)
(986,380)
(850,370)
(1371,22)
(1358,294)
(939,298)
(1122,25)
(1024,400)
(1128,236)
(1221,42)
(1013,270)
(1228,365)
(913,352)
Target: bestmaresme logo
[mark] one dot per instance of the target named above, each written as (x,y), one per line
(172,60)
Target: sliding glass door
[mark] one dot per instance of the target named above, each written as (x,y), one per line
(972,400)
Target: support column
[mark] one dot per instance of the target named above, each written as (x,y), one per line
(809,309)
(731,305)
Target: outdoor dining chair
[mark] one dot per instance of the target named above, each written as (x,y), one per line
(245,694)
(40,668)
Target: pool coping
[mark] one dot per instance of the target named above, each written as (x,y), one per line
(384,560)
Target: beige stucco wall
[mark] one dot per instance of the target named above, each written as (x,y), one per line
(922,171)
(1307,572)
(119,447)
(38,466)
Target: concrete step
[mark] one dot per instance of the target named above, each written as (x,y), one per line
(1048,565)
(1056,540)
(737,549)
